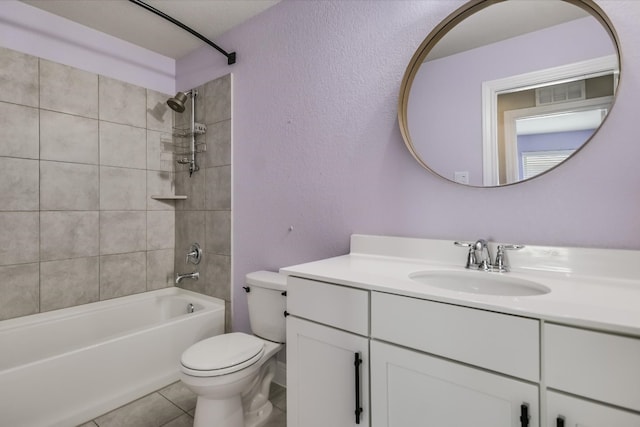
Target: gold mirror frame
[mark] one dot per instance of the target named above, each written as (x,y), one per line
(459,15)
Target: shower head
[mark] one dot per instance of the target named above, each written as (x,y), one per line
(177,102)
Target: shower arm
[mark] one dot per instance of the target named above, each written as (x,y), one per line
(231,56)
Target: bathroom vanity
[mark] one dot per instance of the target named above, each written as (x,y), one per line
(371,342)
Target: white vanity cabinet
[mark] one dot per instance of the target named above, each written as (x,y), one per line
(409,388)
(436,356)
(598,366)
(435,386)
(569,411)
(327,355)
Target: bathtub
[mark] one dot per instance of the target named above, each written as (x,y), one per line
(65,367)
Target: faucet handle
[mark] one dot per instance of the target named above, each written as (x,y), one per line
(499,264)
(471,256)
(194,255)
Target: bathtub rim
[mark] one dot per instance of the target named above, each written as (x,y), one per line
(67,312)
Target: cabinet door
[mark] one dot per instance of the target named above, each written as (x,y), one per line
(414,389)
(575,412)
(321,376)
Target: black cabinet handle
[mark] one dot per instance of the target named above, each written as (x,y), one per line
(560,421)
(524,415)
(357,362)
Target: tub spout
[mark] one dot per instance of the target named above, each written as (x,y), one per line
(180,277)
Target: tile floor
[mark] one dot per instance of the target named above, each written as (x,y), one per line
(173,406)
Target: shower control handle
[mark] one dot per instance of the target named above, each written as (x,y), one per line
(194,255)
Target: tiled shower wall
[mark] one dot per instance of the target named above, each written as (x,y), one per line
(79,158)
(205,216)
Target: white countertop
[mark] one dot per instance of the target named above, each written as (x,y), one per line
(595,300)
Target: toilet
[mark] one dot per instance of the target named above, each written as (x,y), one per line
(231,373)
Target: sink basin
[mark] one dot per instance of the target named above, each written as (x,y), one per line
(480,282)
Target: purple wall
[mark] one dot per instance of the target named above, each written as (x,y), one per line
(317,145)
(31,30)
(437,135)
(554,141)
(570,140)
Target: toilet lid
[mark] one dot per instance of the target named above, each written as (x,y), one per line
(223,354)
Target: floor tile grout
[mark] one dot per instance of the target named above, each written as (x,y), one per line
(277,394)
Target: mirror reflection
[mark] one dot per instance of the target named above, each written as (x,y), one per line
(506,92)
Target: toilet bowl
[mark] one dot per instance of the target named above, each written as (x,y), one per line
(231,374)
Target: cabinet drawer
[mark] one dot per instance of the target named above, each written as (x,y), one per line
(597,365)
(499,342)
(338,306)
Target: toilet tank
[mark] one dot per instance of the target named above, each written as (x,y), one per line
(266,298)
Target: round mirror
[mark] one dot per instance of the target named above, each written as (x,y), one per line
(504,91)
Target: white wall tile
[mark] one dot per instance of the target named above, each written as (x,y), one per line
(160,183)
(18,77)
(20,130)
(217,99)
(122,231)
(160,272)
(19,237)
(122,102)
(68,186)
(161,230)
(218,188)
(218,139)
(68,138)
(123,274)
(123,189)
(68,283)
(218,232)
(19,184)
(193,187)
(68,90)
(123,146)
(159,115)
(19,288)
(68,234)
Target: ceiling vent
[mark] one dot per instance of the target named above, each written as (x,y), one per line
(564,92)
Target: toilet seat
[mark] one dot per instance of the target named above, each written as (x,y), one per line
(222,355)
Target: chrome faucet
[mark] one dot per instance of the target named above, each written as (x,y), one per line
(479,256)
(180,277)
(484,258)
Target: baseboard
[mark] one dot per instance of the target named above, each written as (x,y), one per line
(281,374)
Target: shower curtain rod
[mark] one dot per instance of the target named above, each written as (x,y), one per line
(231,57)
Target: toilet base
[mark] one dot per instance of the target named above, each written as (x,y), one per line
(255,400)
(219,413)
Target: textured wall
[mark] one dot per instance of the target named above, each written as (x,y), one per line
(79,157)
(205,216)
(317,146)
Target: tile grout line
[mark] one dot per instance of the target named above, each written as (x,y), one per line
(99,194)
(39,193)
(174,404)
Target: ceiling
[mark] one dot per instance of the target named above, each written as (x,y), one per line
(502,21)
(130,22)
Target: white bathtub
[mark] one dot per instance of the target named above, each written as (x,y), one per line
(68,366)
